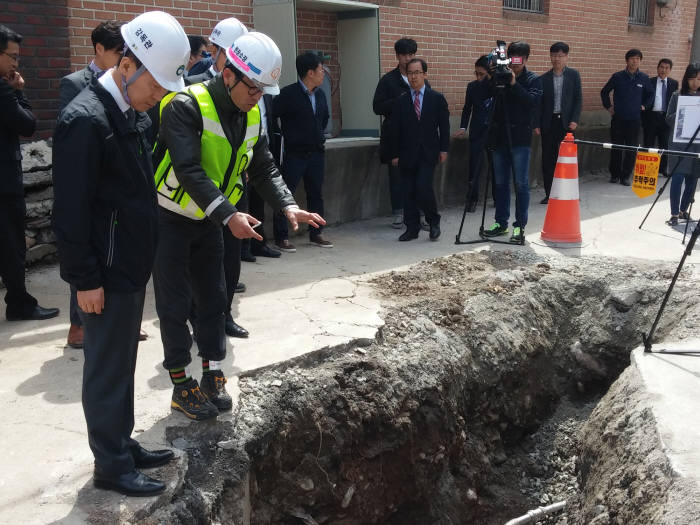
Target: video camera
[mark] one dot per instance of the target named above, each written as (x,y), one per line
(498,64)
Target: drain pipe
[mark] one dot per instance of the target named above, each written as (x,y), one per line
(534,515)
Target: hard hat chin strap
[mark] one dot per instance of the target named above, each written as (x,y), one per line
(126,83)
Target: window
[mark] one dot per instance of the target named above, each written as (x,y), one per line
(639,12)
(533,6)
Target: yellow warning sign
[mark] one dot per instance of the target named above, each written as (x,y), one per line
(646,174)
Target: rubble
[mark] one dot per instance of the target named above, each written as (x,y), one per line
(36,167)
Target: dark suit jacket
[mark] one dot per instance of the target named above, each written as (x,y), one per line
(16,119)
(273,130)
(414,140)
(571,99)
(671,88)
(73,84)
(302,129)
(390,87)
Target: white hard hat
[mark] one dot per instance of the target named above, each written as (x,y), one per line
(160,43)
(226,32)
(257,56)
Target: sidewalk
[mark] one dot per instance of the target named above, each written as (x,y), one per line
(298,303)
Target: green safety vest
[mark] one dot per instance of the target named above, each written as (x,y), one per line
(217,159)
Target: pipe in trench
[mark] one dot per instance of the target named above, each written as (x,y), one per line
(534,515)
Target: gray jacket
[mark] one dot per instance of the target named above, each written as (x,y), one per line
(180,133)
(73,84)
(685,165)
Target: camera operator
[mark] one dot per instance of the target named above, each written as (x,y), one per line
(520,98)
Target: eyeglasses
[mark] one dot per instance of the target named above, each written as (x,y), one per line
(15,58)
(413,73)
(252,90)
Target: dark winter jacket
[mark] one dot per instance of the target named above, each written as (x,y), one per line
(630,93)
(180,131)
(105,212)
(16,119)
(521,104)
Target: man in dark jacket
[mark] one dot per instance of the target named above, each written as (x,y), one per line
(656,130)
(420,139)
(108,44)
(209,136)
(16,119)
(478,102)
(390,87)
(632,94)
(558,111)
(520,99)
(106,224)
(303,112)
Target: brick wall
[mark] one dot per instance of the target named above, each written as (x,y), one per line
(452,34)
(319,30)
(44,53)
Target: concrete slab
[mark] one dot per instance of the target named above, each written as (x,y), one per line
(295,304)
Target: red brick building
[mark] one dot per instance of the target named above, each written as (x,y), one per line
(451,35)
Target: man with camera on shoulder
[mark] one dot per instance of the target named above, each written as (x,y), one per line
(518,98)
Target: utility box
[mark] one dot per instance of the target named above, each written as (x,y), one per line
(357,70)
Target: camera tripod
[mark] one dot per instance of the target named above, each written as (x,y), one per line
(498,105)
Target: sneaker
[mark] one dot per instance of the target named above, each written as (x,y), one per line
(517,233)
(214,387)
(397,221)
(496,230)
(673,221)
(285,246)
(320,241)
(191,401)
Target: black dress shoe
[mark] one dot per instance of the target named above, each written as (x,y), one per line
(240,287)
(132,483)
(234,330)
(263,250)
(434,232)
(150,458)
(408,235)
(37,314)
(247,256)
(614,180)
(545,200)
(471,207)
(626,181)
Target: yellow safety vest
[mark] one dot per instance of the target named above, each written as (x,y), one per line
(217,158)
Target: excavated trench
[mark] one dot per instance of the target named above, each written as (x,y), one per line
(466,408)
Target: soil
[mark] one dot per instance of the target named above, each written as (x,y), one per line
(466,408)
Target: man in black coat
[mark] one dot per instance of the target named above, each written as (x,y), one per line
(16,119)
(654,124)
(108,44)
(420,140)
(390,87)
(303,112)
(559,110)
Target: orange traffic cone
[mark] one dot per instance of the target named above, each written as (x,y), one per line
(563,220)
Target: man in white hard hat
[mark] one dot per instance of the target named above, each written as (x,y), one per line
(209,136)
(106,224)
(222,37)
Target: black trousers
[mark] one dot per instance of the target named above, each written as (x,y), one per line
(623,132)
(232,266)
(395,189)
(13,250)
(477,148)
(418,193)
(256,205)
(110,344)
(551,139)
(189,266)
(73,308)
(656,131)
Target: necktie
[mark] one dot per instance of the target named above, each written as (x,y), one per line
(663,95)
(416,104)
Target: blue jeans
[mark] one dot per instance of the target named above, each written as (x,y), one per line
(688,191)
(503,176)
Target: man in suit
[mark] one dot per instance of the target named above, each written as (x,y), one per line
(632,94)
(16,119)
(420,139)
(108,44)
(559,110)
(654,124)
(303,112)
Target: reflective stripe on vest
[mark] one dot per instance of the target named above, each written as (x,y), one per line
(216,159)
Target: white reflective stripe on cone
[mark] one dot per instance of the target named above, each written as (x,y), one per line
(564,190)
(566,160)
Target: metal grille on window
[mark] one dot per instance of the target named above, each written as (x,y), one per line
(639,12)
(524,5)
